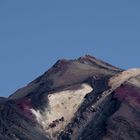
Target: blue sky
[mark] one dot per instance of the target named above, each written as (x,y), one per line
(34,34)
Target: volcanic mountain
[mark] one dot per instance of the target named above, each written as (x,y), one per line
(81,99)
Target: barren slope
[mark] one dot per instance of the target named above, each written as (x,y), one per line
(81,99)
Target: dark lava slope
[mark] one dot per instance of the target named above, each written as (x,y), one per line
(82,99)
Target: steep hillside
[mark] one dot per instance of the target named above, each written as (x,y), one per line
(81,99)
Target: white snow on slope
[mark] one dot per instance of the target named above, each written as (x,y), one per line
(61,104)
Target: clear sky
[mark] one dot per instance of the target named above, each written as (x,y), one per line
(35,33)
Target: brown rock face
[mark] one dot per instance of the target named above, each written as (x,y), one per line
(82,99)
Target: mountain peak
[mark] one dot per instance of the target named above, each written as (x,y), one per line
(84,98)
(67,72)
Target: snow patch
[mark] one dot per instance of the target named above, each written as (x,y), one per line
(61,109)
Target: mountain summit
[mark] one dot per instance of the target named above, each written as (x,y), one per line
(81,99)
